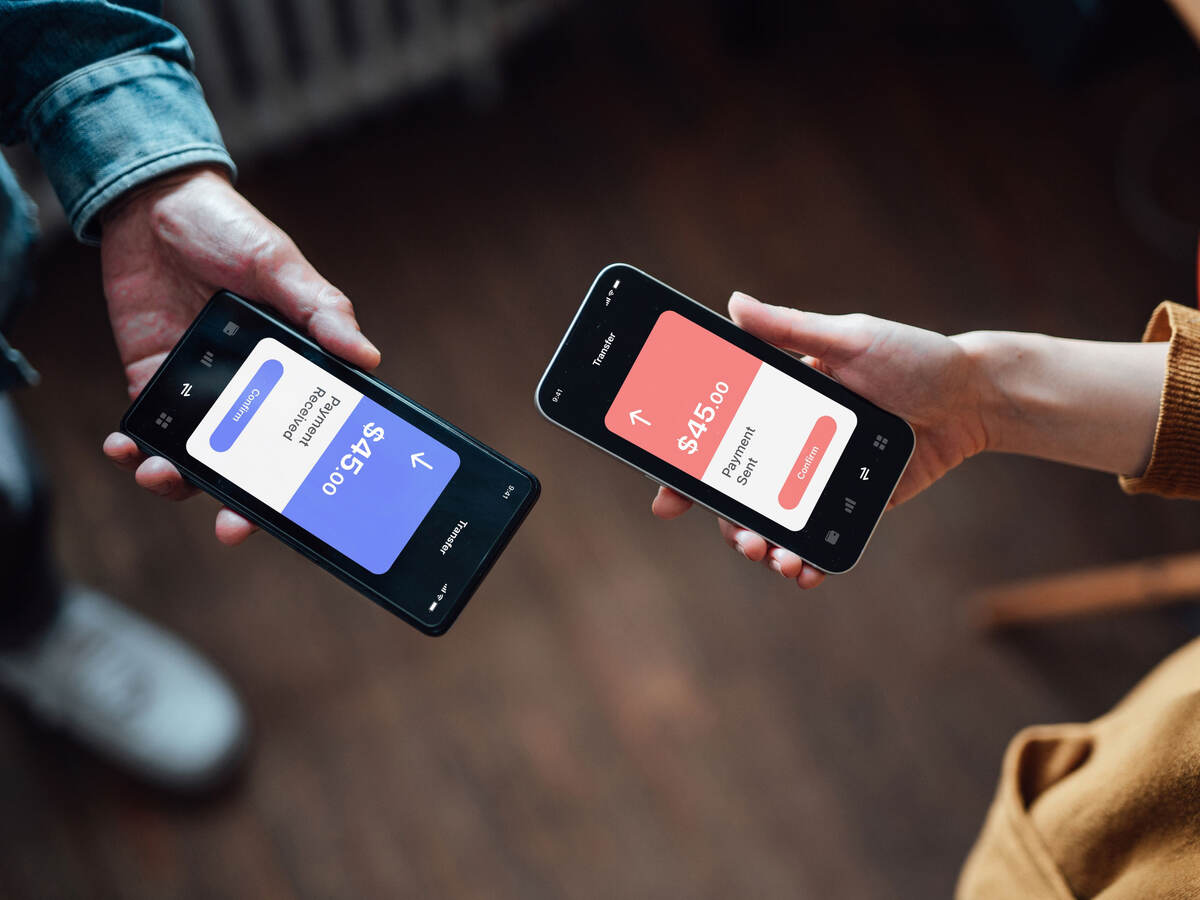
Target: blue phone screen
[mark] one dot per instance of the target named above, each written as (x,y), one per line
(333,461)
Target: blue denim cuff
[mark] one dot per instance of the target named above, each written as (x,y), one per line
(109,127)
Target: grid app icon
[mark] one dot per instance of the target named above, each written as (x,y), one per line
(163,420)
(880,442)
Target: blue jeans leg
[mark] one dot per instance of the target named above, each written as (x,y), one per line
(30,589)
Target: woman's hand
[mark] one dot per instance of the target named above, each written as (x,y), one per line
(926,378)
(170,246)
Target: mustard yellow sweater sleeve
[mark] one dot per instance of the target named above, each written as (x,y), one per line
(1108,809)
(1111,808)
(1174,469)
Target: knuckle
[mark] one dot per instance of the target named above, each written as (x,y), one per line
(334,300)
(261,251)
(857,320)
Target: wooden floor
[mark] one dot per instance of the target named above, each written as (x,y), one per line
(627,709)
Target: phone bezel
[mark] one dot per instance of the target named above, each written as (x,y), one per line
(833,560)
(276,524)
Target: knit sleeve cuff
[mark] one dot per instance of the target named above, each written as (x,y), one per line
(1174,469)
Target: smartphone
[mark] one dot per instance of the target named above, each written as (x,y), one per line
(757,436)
(384,494)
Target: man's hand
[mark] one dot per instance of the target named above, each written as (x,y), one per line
(168,248)
(926,378)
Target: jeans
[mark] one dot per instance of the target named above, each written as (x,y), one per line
(30,590)
(103,92)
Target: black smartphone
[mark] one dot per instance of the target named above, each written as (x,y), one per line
(389,497)
(684,395)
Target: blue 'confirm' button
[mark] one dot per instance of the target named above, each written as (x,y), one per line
(246,405)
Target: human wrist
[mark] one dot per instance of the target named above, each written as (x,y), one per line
(1086,403)
(985,396)
(138,198)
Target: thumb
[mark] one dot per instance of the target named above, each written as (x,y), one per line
(219,236)
(827,338)
(282,278)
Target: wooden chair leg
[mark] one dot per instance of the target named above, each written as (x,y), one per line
(1145,583)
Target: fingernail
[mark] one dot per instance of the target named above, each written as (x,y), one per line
(777,561)
(737,545)
(371,346)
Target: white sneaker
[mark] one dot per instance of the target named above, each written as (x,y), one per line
(131,691)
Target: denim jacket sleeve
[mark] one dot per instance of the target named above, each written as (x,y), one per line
(105,94)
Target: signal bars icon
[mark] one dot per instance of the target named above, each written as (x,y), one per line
(612,290)
(850,504)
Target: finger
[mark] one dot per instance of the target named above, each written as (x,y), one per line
(831,339)
(158,476)
(124,453)
(743,540)
(815,363)
(668,504)
(281,277)
(232,528)
(785,562)
(139,372)
(809,577)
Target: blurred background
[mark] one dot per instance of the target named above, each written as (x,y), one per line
(628,709)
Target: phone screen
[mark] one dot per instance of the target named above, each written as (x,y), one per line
(734,422)
(333,461)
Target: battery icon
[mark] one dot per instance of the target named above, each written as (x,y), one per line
(616,284)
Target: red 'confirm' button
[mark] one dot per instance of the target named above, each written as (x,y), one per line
(806,465)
